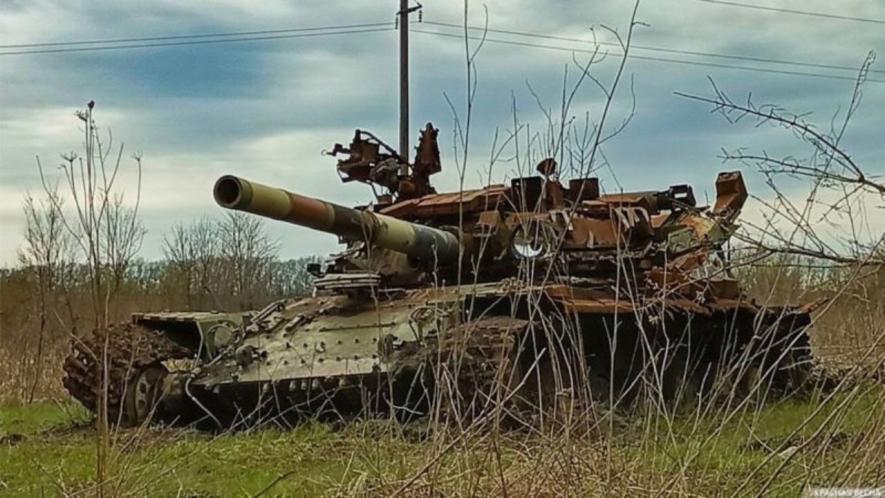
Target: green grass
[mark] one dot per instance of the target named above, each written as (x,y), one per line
(50,448)
(29,419)
(755,443)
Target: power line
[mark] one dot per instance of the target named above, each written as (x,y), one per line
(654,59)
(205,35)
(278,34)
(193,42)
(794,11)
(657,49)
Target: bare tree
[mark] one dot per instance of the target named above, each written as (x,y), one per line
(123,237)
(231,264)
(246,252)
(178,247)
(838,191)
(192,253)
(45,255)
(290,278)
(108,234)
(102,224)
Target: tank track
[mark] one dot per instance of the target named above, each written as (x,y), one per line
(130,348)
(481,354)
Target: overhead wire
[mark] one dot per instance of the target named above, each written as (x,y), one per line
(649,48)
(654,59)
(346,29)
(783,10)
(195,42)
(203,35)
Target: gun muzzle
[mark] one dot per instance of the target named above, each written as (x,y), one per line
(425,243)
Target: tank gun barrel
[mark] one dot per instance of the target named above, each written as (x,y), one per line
(419,241)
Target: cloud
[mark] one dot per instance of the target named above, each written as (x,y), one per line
(266,110)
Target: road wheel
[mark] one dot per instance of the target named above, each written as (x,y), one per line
(144,392)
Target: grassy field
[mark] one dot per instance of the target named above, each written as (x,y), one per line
(49,448)
(833,439)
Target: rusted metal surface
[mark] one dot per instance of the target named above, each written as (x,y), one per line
(371,161)
(731,193)
(468,201)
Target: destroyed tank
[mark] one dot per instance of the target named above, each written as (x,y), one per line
(541,295)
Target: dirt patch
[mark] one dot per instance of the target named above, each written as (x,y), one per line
(11,439)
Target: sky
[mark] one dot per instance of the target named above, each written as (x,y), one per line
(266,110)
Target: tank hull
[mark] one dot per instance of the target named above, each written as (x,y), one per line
(342,356)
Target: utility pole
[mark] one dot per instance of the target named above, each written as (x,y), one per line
(404,11)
